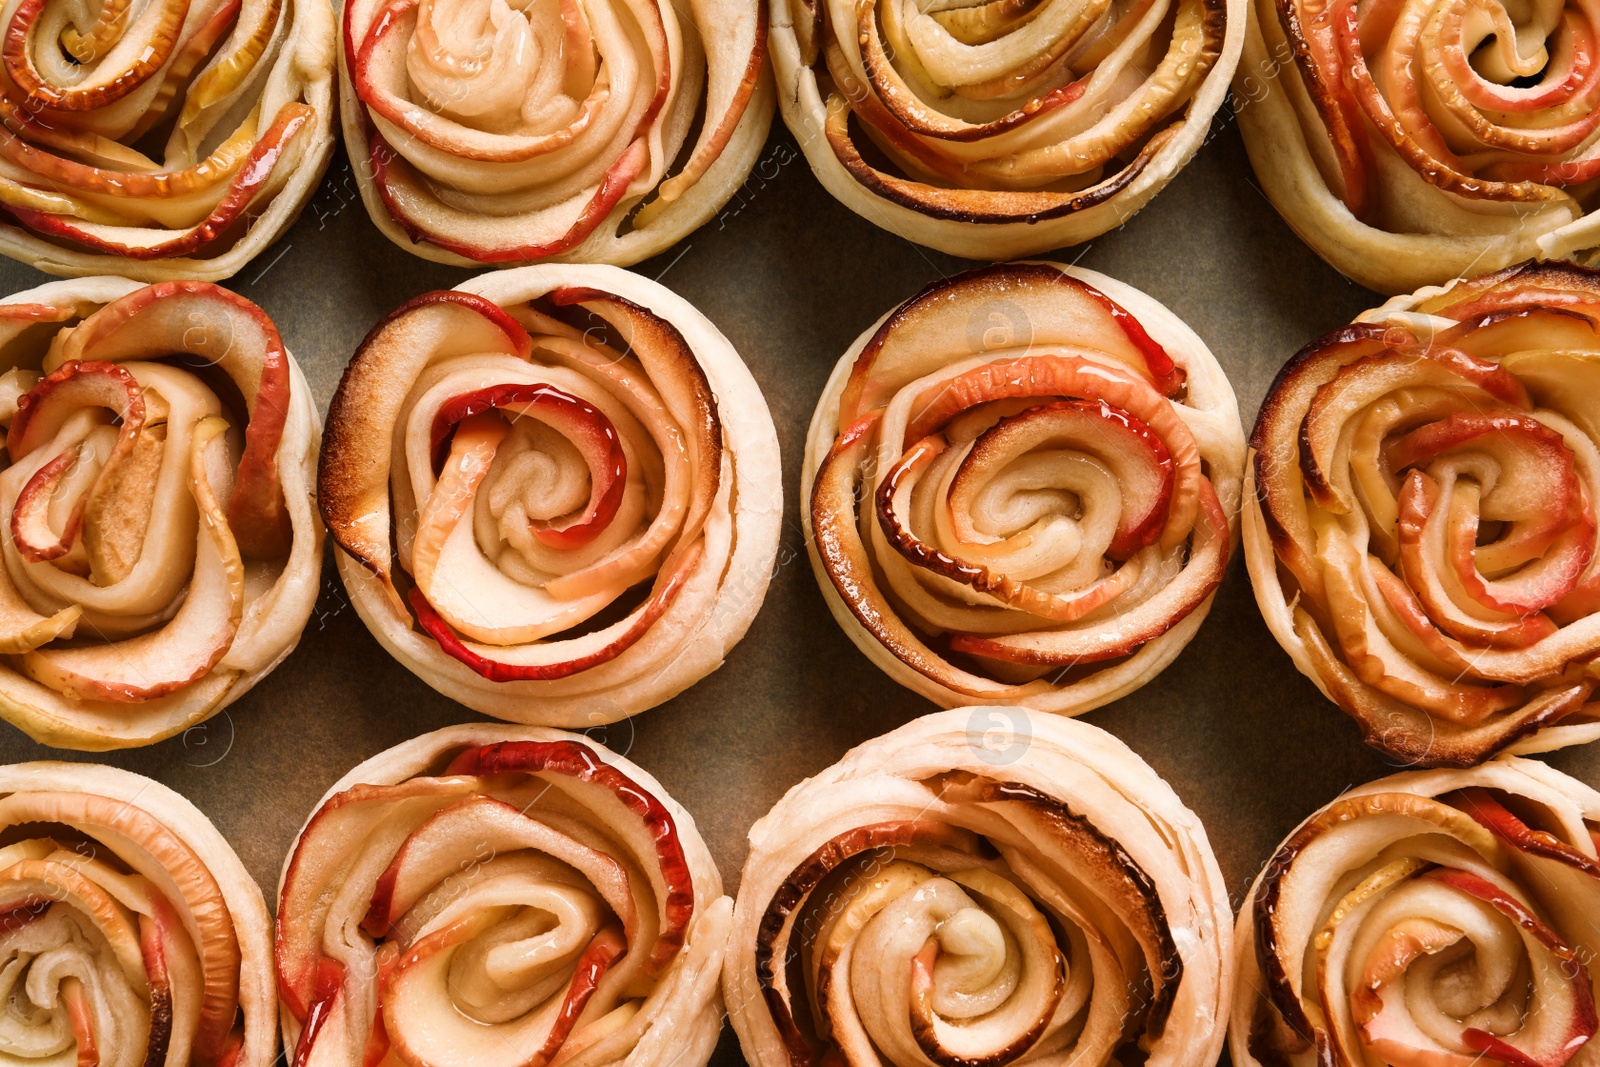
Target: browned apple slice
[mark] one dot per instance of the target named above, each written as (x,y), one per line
(185,649)
(353,480)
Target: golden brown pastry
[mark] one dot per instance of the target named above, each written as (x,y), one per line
(1430,919)
(1412,144)
(130,934)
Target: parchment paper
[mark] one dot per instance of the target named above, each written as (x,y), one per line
(792,277)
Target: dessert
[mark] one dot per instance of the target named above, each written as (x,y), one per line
(163,141)
(556,490)
(162,552)
(1420,524)
(981,886)
(1440,917)
(131,932)
(1021,484)
(1001,129)
(486,132)
(496,896)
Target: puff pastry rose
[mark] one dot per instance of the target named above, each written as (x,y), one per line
(161,140)
(1441,918)
(130,934)
(593,131)
(985,886)
(1021,484)
(1422,530)
(1412,144)
(1005,127)
(500,896)
(161,551)
(557,491)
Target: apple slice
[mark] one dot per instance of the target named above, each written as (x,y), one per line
(274,154)
(1131,451)
(1561,1017)
(353,478)
(643,821)
(576,419)
(1071,376)
(545,661)
(432,852)
(74,385)
(237,337)
(185,649)
(915,339)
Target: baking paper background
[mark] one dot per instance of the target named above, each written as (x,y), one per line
(791,277)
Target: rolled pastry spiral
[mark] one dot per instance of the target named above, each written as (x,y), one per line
(592,131)
(1410,144)
(500,896)
(160,139)
(1021,486)
(557,491)
(1440,918)
(999,128)
(130,934)
(1421,529)
(161,551)
(984,886)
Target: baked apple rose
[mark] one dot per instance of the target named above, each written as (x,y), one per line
(1002,128)
(984,886)
(557,491)
(1021,486)
(1421,527)
(1439,918)
(500,896)
(165,140)
(591,131)
(161,551)
(1410,145)
(130,934)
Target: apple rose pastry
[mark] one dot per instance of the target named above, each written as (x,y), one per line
(595,131)
(936,898)
(500,896)
(998,128)
(130,934)
(1422,530)
(1021,486)
(1412,144)
(162,553)
(1430,919)
(161,140)
(557,491)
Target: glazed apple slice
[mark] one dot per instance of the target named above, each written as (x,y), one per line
(353,479)
(75,385)
(198,636)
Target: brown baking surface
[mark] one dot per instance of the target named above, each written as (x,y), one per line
(792,277)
